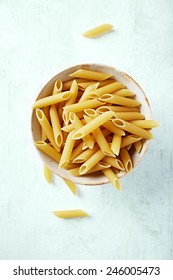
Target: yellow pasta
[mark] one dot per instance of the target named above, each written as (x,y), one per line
(68,214)
(57,87)
(71,186)
(119,100)
(93,160)
(101,140)
(96,129)
(91,75)
(125,157)
(145,123)
(77,125)
(47,174)
(53,99)
(48,150)
(46,127)
(133,129)
(138,146)
(92,125)
(56,126)
(106,89)
(129,139)
(116,144)
(67,150)
(113,179)
(97,31)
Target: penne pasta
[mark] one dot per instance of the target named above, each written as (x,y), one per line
(113,179)
(77,125)
(129,139)
(125,157)
(147,124)
(119,100)
(97,31)
(48,150)
(93,160)
(67,150)
(88,104)
(47,174)
(116,144)
(92,125)
(68,214)
(91,75)
(116,109)
(106,89)
(53,99)
(71,186)
(57,87)
(101,140)
(43,121)
(97,128)
(127,126)
(56,126)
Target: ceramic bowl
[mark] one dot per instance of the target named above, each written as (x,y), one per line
(129,82)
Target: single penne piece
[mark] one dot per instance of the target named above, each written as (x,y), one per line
(98,167)
(67,84)
(93,160)
(125,93)
(48,150)
(68,214)
(66,153)
(57,87)
(43,121)
(129,116)
(105,89)
(83,105)
(77,151)
(53,99)
(46,112)
(74,90)
(97,31)
(116,144)
(85,155)
(47,174)
(71,186)
(106,82)
(112,177)
(84,85)
(103,109)
(87,91)
(77,125)
(56,126)
(101,140)
(119,100)
(92,125)
(90,75)
(129,139)
(113,128)
(127,126)
(138,146)
(115,162)
(125,157)
(147,124)
(71,100)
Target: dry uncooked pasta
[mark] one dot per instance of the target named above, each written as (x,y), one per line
(92,124)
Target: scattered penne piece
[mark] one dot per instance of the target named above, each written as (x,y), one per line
(68,214)
(98,31)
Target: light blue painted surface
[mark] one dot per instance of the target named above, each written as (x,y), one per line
(39,39)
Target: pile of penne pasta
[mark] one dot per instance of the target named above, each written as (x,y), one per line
(92,123)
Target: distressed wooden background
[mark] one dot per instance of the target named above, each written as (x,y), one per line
(38,39)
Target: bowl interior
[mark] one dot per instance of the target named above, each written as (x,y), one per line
(98,178)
